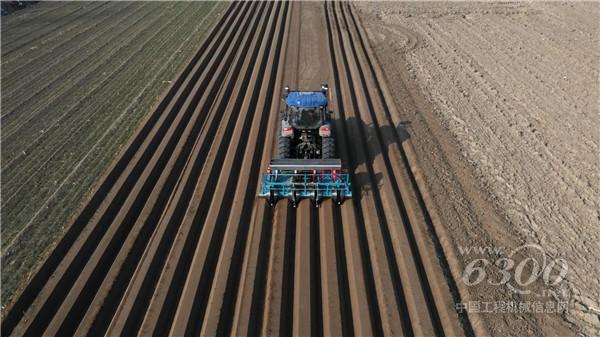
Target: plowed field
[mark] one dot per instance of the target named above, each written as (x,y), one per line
(174,240)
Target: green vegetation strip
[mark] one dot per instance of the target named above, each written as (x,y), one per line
(87,103)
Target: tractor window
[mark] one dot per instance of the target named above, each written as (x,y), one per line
(306,118)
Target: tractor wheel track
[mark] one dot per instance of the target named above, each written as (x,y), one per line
(173,241)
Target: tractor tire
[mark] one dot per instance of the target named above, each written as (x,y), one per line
(327,148)
(285,148)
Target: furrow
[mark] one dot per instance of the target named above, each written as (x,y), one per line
(223,296)
(248,315)
(115,185)
(371,217)
(422,319)
(196,288)
(154,186)
(414,213)
(174,240)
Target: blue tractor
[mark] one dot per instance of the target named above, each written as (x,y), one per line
(306,126)
(307,166)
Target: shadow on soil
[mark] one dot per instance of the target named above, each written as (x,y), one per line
(366,137)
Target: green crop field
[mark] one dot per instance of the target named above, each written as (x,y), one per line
(77,78)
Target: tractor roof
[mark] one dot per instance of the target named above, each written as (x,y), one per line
(306,99)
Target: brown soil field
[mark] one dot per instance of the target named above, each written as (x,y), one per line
(175,241)
(503,110)
(431,121)
(77,78)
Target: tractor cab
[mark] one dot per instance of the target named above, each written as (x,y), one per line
(305,125)
(306,110)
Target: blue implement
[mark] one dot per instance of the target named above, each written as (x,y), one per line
(295,179)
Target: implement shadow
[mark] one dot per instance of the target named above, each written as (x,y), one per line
(359,135)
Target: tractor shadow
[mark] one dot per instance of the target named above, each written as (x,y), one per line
(365,144)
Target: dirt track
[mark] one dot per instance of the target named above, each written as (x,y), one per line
(175,242)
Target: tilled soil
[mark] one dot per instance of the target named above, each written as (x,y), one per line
(511,89)
(77,79)
(174,240)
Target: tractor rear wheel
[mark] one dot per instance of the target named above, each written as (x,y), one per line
(327,147)
(285,150)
